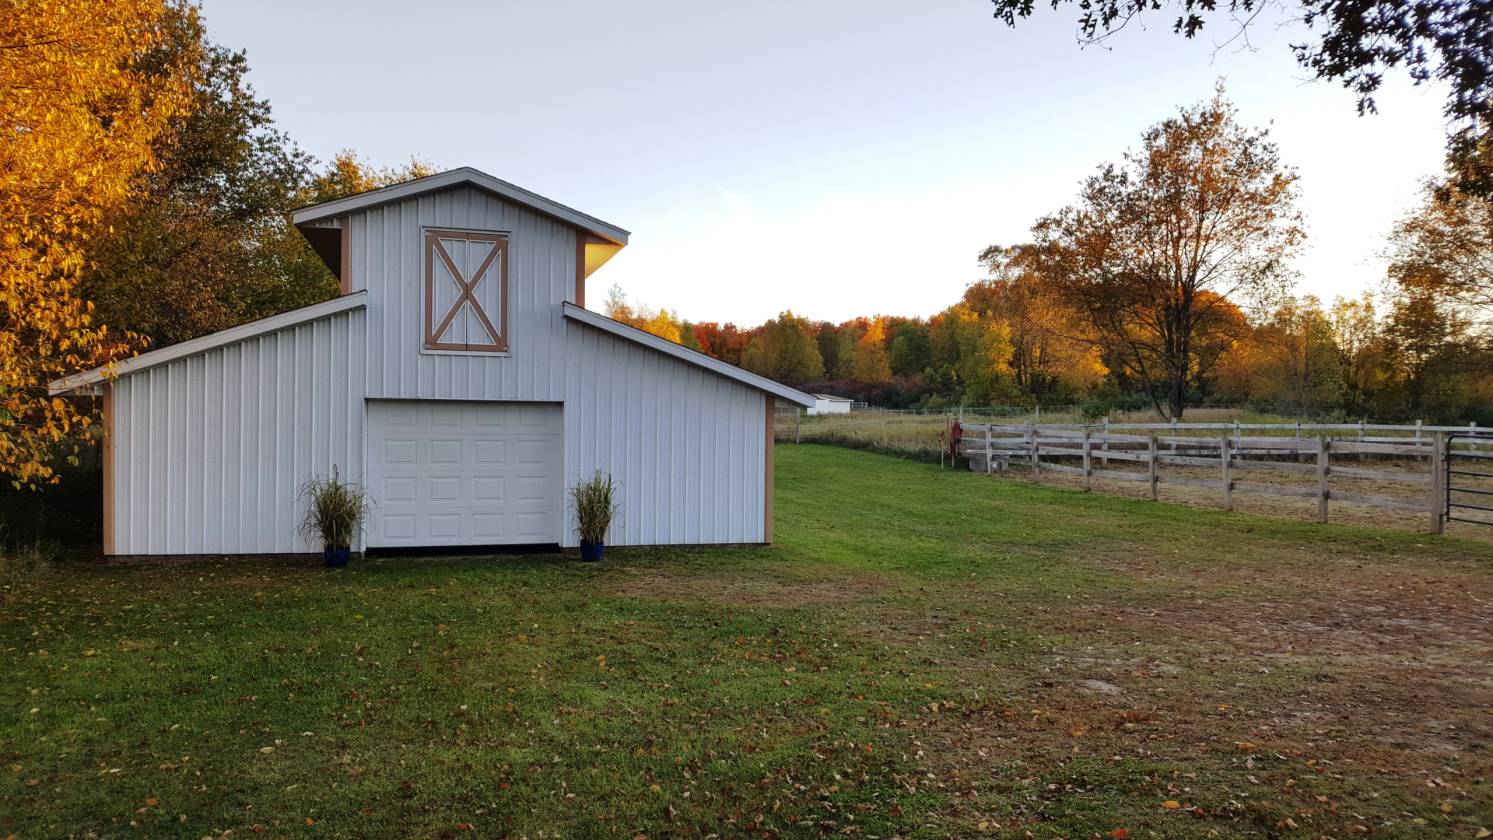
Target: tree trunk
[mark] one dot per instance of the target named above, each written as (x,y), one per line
(1177,396)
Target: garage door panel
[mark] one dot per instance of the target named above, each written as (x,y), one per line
(490,451)
(530,452)
(397,526)
(445,489)
(531,526)
(396,490)
(446,451)
(531,488)
(464,473)
(487,526)
(487,489)
(489,416)
(401,451)
(404,416)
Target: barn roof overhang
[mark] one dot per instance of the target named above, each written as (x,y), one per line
(321,224)
(603,232)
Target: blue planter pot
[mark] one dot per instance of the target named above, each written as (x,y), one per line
(336,556)
(591,551)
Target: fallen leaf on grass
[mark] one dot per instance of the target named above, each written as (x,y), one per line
(1171,804)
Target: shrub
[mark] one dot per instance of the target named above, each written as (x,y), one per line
(595,504)
(20,561)
(335,509)
(1098,408)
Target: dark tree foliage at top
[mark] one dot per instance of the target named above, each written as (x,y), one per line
(1359,40)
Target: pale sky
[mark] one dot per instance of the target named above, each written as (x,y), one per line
(831,157)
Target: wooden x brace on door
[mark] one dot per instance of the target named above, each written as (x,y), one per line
(435,249)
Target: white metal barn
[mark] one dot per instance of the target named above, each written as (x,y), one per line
(459,377)
(830,404)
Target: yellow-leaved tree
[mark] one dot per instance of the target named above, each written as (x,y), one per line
(80,107)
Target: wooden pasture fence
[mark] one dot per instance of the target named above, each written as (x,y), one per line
(1310,451)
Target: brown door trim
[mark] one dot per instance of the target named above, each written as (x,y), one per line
(767,474)
(580,269)
(468,286)
(345,268)
(109,426)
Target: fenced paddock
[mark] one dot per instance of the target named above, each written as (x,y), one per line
(1399,473)
(917,431)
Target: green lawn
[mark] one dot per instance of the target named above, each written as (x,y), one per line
(922,654)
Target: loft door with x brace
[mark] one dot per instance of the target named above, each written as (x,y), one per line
(466,291)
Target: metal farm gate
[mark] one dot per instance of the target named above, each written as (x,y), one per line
(1468,480)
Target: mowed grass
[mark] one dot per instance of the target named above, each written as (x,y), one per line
(923,653)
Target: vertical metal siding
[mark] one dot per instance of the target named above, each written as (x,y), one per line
(685,445)
(211,449)
(388,260)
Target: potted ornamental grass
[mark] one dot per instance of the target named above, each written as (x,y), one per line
(335,512)
(595,503)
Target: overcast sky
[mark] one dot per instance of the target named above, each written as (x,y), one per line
(831,157)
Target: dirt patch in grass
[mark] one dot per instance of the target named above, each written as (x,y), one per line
(1303,698)
(1287,507)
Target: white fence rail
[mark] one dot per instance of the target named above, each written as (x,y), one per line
(1311,451)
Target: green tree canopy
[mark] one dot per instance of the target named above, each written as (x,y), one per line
(785,350)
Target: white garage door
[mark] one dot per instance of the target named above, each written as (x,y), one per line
(464,473)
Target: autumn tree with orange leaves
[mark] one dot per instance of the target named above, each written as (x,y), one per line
(1052,352)
(1158,250)
(80,120)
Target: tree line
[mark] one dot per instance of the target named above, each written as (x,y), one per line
(144,189)
(1167,283)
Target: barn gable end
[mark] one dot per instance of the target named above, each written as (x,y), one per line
(459,376)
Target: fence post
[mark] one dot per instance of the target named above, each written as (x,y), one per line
(989,451)
(1322,493)
(798,422)
(1088,462)
(1032,438)
(1151,465)
(1362,423)
(1106,441)
(883,428)
(1438,484)
(1228,471)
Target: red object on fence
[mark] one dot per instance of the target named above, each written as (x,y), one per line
(956,434)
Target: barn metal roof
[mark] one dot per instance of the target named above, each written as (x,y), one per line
(685,354)
(465,176)
(211,341)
